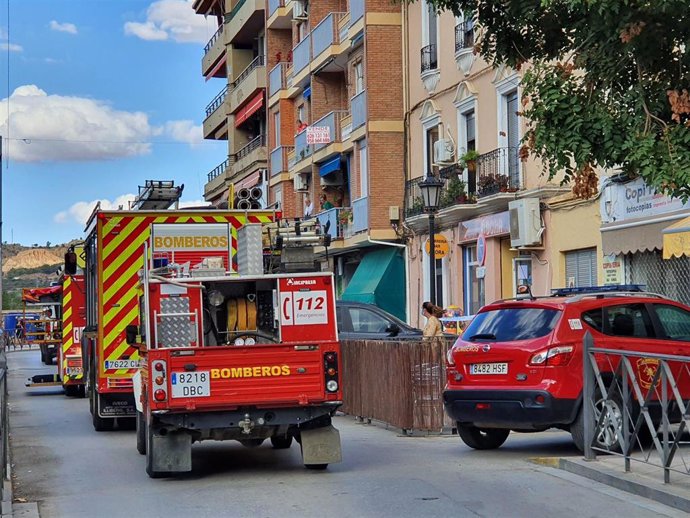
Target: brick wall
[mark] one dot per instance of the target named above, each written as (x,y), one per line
(328,93)
(278,41)
(386,176)
(383,72)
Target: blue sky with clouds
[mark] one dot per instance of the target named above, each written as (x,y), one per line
(101,95)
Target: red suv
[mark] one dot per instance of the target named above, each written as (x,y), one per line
(518,366)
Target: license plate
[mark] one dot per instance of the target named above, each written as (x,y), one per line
(489,368)
(74,371)
(121,364)
(191,384)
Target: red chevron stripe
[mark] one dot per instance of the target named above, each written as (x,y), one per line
(125,243)
(119,319)
(129,285)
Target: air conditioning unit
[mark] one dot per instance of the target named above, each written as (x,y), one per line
(443,151)
(299,10)
(525,222)
(301,182)
(333,179)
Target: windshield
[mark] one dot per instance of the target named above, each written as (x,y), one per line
(510,324)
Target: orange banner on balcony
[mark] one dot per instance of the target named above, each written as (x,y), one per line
(249,108)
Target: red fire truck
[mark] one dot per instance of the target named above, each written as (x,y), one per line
(245,357)
(114,249)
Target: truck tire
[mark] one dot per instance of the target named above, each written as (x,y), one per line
(281,442)
(149,455)
(482,438)
(100,424)
(141,433)
(316,467)
(71,390)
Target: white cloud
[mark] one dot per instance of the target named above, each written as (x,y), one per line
(63,128)
(80,211)
(171,19)
(63,27)
(12,47)
(185,131)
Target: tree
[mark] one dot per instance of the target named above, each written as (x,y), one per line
(606,83)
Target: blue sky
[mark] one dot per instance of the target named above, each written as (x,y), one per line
(101,95)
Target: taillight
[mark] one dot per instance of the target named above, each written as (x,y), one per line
(449,357)
(160,384)
(330,361)
(553,357)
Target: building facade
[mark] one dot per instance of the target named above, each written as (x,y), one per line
(463,125)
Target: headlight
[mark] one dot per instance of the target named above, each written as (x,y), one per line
(216,298)
(239,341)
(250,341)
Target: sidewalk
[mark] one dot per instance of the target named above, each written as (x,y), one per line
(644,480)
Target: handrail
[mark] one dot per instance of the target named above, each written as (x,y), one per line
(251,146)
(429,58)
(258,61)
(235,10)
(220,168)
(213,39)
(216,102)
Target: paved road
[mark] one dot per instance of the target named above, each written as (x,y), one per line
(71,471)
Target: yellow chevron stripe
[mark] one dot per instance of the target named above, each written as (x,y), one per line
(124,301)
(124,254)
(124,233)
(112,223)
(198,219)
(117,353)
(128,274)
(129,317)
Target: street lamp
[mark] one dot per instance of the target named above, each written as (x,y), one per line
(431,195)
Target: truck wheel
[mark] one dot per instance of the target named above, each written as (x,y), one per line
(252,443)
(81,391)
(100,424)
(281,442)
(319,467)
(149,455)
(141,433)
(482,438)
(71,390)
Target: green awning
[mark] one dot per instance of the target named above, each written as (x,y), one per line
(380,280)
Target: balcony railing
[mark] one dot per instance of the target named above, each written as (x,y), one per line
(360,215)
(277,78)
(326,33)
(358,107)
(464,35)
(279,161)
(302,149)
(498,171)
(273,6)
(213,39)
(356,10)
(258,61)
(429,59)
(235,10)
(414,203)
(301,55)
(334,219)
(217,102)
(220,168)
(256,143)
(332,122)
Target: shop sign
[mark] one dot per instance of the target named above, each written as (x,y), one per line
(481,249)
(441,246)
(635,200)
(613,269)
(491,225)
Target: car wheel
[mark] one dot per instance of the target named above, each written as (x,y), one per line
(482,438)
(281,442)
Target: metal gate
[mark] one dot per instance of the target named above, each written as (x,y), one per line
(664,276)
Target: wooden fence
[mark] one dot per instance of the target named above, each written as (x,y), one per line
(399,383)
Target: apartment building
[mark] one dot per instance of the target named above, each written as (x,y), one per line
(234,58)
(463,126)
(311,103)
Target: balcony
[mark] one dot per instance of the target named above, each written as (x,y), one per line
(216,116)
(213,53)
(337,220)
(325,34)
(464,45)
(302,149)
(358,108)
(277,78)
(252,156)
(279,14)
(216,178)
(245,20)
(498,171)
(203,6)
(250,80)
(360,217)
(453,195)
(332,121)
(279,160)
(429,58)
(356,10)
(301,56)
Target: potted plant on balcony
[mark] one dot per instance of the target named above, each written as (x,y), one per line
(345,217)
(454,192)
(469,160)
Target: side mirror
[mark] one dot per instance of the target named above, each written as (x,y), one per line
(393,329)
(132,333)
(71,263)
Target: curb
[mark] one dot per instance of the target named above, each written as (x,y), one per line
(629,482)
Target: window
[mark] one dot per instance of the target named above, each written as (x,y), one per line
(675,322)
(581,268)
(468,121)
(366,321)
(508,325)
(522,271)
(474,287)
(431,138)
(464,32)
(358,70)
(363,169)
(301,113)
(276,127)
(429,37)
(631,320)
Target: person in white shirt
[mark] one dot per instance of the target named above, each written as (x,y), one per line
(308,206)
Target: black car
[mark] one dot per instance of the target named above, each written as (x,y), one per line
(359,321)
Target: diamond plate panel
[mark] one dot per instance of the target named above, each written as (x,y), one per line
(175,331)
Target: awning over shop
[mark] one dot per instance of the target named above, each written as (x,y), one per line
(330,166)
(677,239)
(380,280)
(629,240)
(249,181)
(217,66)
(250,108)
(307,92)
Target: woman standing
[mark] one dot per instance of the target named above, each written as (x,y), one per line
(433,325)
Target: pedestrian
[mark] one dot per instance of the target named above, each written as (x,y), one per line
(325,204)
(301,126)
(308,206)
(433,327)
